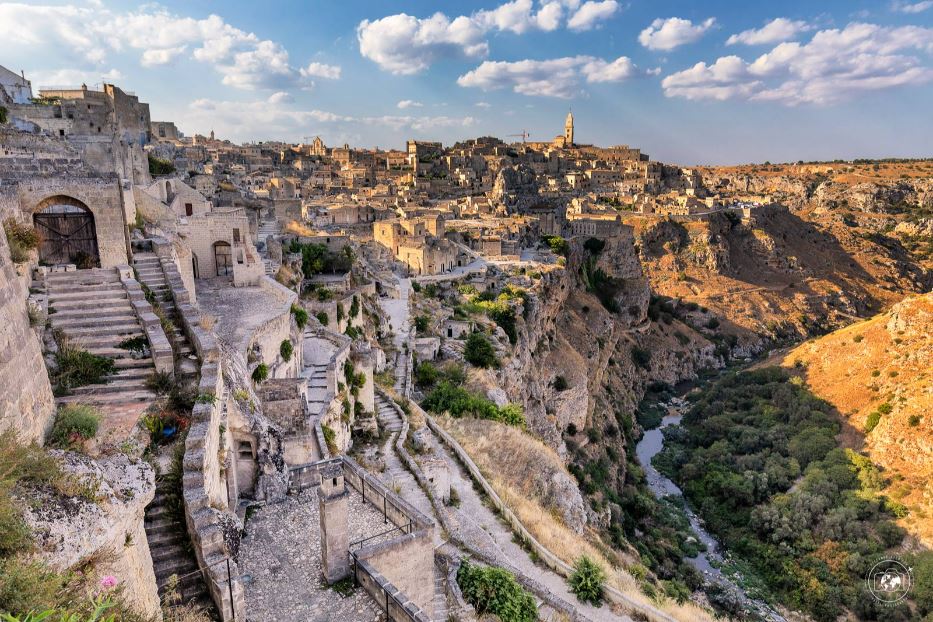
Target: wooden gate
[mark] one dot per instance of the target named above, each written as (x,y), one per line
(67,235)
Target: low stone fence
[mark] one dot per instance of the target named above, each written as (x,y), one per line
(208,527)
(159,345)
(544,554)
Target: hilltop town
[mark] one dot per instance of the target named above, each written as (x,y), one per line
(300,381)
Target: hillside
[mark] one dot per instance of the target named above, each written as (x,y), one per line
(879,376)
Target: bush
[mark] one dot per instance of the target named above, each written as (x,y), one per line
(22,239)
(494,590)
(301,316)
(426,374)
(421,323)
(74,424)
(285,349)
(158,166)
(260,373)
(587,581)
(641,357)
(478,351)
(322,317)
(76,367)
(459,402)
(874,418)
(712,323)
(913,421)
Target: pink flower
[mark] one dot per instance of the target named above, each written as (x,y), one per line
(108,582)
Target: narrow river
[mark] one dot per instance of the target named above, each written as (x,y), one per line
(651,444)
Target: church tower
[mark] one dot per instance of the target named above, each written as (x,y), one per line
(568,129)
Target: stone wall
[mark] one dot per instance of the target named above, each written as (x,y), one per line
(26,401)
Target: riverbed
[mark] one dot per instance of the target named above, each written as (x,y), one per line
(707,562)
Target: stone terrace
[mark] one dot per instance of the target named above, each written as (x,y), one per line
(240,311)
(281,552)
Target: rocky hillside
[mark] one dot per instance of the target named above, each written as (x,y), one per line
(782,275)
(877,374)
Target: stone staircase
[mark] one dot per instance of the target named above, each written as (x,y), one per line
(92,309)
(171,550)
(149,272)
(267,228)
(388,417)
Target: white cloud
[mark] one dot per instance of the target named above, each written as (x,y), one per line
(93,34)
(320,70)
(912,7)
(409,103)
(667,34)
(483,105)
(833,66)
(404,44)
(277,118)
(775,31)
(591,13)
(559,77)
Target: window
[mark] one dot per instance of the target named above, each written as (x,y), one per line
(189,210)
(61,132)
(236,235)
(245,450)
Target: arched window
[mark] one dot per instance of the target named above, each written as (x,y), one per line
(223,258)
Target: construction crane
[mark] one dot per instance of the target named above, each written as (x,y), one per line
(525,135)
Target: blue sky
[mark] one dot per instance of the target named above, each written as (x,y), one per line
(688,82)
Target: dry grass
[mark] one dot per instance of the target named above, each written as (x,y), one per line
(512,462)
(299,229)
(208,321)
(885,360)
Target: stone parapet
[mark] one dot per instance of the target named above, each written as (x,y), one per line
(159,345)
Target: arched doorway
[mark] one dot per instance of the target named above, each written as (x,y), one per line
(67,233)
(194,266)
(223,258)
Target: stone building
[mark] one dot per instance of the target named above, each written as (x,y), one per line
(15,89)
(164,131)
(221,247)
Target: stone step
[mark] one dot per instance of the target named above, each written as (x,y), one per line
(158,539)
(103,317)
(124,329)
(163,522)
(94,275)
(174,565)
(136,364)
(95,342)
(92,304)
(114,290)
(112,386)
(111,399)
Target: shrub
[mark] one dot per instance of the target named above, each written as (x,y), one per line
(74,423)
(858,338)
(135,344)
(426,374)
(330,439)
(261,373)
(712,323)
(587,581)
(416,286)
(355,306)
(158,166)
(322,317)
(76,367)
(874,418)
(22,239)
(285,349)
(557,244)
(495,590)
(301,316)
(913,421)
(478,351)
(459,402)
(160,382)
(421,323)
(641,357)
(560,383)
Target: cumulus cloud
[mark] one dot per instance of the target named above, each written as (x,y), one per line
(320,70)
(833,66)
(591,14)
(775,31)
(667,34)
(73,77)
(93,34)
(404,44)
(483,105)
(912,7)
(409,103)
(559,77)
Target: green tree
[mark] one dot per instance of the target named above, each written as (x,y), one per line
(478,351)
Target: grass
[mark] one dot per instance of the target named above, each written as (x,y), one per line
(74,424)
(76,367)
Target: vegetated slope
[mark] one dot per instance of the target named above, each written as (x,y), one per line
(757,456)
(879,376)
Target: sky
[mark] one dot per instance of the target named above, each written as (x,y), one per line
(712,82)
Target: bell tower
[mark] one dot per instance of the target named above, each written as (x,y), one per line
(568,129)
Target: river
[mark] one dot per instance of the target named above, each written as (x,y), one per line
(708,562)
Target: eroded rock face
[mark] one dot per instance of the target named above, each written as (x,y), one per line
(110,532)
